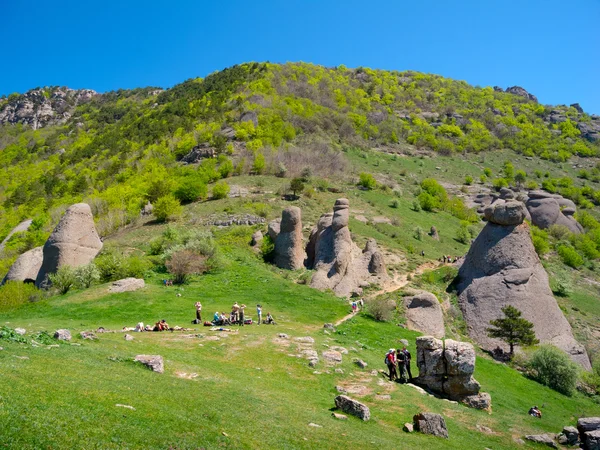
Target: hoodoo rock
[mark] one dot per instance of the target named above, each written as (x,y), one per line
(26,267)
(74,242)
(424,314)
(340,265)
(545,210)
(502,268)
(289,252)
(447,367)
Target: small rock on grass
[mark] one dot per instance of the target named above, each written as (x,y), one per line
(62,335)
(125,406)
(153,362)
(408,427)
(20,331)
(315,425)
(128,337)
(360,363)
(545,439)
(339,416)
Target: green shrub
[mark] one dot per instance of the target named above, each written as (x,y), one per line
(267,249)
(560,287)
(552,367)
(463,235)
(428,202)
(418,233)
(468,180)
(86,275)
(570,256)
(416,206)
(220,190)
(259,165)
(540,241)
(394,203)
(381,309)
(367,181)
(191,190)
(297,185)
(166,208)
(487,172)
(499,183)
(63,280)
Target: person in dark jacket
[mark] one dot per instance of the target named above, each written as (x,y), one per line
(401,361)
(407,358)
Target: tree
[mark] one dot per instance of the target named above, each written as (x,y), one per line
(297,185)
(166,207)
(513,329)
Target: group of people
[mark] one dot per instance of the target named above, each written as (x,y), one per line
(398,363)
(449,259)
(238,316)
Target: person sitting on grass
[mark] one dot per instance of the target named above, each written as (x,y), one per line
(535,412)
(161,326)
(269,320)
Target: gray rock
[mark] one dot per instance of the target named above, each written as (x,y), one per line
(483,400)
(546,212)
(305,339)
(332,356)
(430,423)
(89,335)
(586,424)
(257,238)
(434,233)
(360,363)
(250,116)
(518,90)
(571,435)
(74,242)
(128,337)
(578,107)
(408,427)
(127,285)
(509,213)
(424,314)
(26,267)
(62,335)
(153,362)
(198,153)
(289,251)
(352,407)
(591,440)
(545,439)
(339,416)
(20,331)
(274,228)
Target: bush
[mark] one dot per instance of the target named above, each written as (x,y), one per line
(166,208)
(220,190)
(190,191)
(540,241)
(184,263)
(468,180)
(570,256)
(394,203)
(463,235)
(267,249)
(560,287)
(416,206)
(418,233)
(428,202)
(63,280)
(297,185)
(380,309)
(367,181)
(552,367)
(87,275)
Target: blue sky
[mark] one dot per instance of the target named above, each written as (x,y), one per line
(551,47)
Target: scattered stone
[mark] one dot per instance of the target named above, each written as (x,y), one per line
(304,339)
(127,285)
(153,362)
(289,253)
(128,337)
(337,348)
(125,406)
(341,389)
(518,90)
(424,314)
(338,370)
(332,356)
(408,427)
(20,331)
(257,238)
(283,336)
(225,434)
(545,439)
(383,397)
(374,373)
(90,335)
(433,232)
(484,429)
(339,416)
(404,342)
(353,407)
(430,423)
(329,326)
(62,335)
(571,434)
(483,400)
(315,425)
(360,363)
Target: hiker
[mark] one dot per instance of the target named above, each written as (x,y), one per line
(361,303)
(269,320)
(241,315)
(535,412)
(354,306)
(390,361)
(198,306)
(259,313)
(161,326)
(422,252)
(401,362)
(407,358)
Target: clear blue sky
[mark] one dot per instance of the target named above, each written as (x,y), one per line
(550,47)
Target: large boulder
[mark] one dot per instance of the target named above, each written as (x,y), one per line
(591,440)
(545,211)
(544,439)
(74,242)
(586,424)
(26,267)
(289,252)
(424,314)
(518,90)
(447,367)
(152,362)
(430,423)
(339,264)
(502,268)
(23,226)
(353,407)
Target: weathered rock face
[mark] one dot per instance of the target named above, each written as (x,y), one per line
(591,440)
(434,233)
(339,263)
(26,267)
(518,90)
(430,423)
(289,251)
(447,368)
(40,107)
(23,226)
(74,242)
(127,285)
(545,439)
(424,314)
(350,406)
(198,153)
(545,210)
(273,229)
(502,268)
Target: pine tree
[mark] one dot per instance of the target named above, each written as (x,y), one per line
(513,329)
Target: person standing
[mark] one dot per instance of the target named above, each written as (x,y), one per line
(401,361)
(390,361)
(241,315)
(198,306)
(259,313)
(235,312)
(407,358)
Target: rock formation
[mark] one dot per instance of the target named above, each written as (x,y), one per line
(152,362)
(26,267)
(502,268)
(353,407)
(547,209)
(447,367)
(339,263)
(289,252)
(74,242)
(23,226)
(518,90)
(424,314)
(430,423)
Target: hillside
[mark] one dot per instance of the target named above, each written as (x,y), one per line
(219,158)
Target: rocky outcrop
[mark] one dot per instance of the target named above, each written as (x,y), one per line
(518,90)
(545,439)
(339,263)
(26,267)
(430,423)
(153,362)
(502,268)
(433,232)
(353,407)
(424,314)
(289,251)
(23,226)
(127,285)
(273,229)
(447,367)
(74,242)
(547,209)
(198,153)
(40,107)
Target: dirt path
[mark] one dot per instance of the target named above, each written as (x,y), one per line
(397,282)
